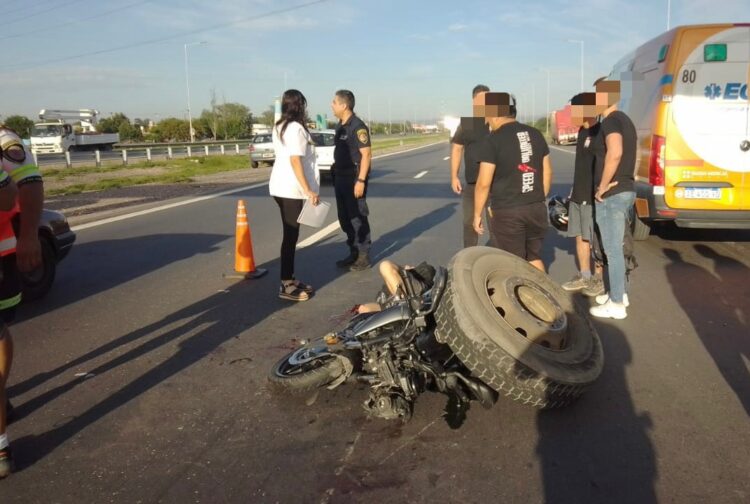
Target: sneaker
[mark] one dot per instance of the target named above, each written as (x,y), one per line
(576,283)
(362,263)
(348,260)
(6,462)
(595,287)
(609,309)
(604,298)
(291,292)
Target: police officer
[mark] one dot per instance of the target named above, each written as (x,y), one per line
(19,250)
(351,167)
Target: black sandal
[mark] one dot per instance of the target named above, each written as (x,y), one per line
(291,292)
(303,286)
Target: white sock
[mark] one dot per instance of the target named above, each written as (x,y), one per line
(4,441)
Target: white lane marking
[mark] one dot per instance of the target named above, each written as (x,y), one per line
(421,174)
(382,252)
(446,158)
(330,228)
(165,207)
(118,218)
(562,150)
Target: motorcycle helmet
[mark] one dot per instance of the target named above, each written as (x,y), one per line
(558,212)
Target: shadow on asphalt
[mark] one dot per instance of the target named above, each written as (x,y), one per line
(212,322)
(80,276)
(669,231)
(717,305)
(599,450)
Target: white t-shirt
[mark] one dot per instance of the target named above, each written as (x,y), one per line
(297,142)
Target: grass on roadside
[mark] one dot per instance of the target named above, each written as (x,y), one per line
(175,171)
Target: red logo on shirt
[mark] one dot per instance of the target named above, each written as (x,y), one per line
(524,168)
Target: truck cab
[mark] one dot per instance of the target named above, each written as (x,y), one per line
(52,137)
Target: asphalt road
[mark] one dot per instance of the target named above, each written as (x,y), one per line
(141,377)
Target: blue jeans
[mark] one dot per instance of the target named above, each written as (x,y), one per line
(612,217)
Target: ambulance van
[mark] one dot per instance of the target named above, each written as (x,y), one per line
(687,93)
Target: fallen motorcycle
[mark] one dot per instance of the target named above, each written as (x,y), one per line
(490,325)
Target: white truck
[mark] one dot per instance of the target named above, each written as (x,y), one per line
(55,133)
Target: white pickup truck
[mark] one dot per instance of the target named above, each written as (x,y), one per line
(55,135)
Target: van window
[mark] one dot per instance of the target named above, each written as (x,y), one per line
(715,52)
(663,52)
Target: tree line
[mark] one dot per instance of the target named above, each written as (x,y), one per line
(223,121)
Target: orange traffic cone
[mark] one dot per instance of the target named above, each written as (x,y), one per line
(244,262)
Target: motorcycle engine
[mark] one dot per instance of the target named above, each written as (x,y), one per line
(394,386)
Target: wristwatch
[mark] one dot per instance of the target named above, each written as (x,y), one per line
(361,180)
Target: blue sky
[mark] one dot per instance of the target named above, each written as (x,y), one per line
(406,59)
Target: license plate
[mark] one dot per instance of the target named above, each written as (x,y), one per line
(702,193)
(268,154)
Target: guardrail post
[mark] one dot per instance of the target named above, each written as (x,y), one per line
(205,148)
(98,157)
(124,157)
(68,163)
(148,153)
(222,149)
(189,151)
(237,148)
(169,152)
(36,158)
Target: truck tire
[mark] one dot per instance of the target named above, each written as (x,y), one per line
(516,329)
(35,284)
(288,377)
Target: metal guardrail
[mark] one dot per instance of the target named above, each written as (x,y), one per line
(164,151)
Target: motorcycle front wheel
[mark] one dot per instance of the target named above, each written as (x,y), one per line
(305,370)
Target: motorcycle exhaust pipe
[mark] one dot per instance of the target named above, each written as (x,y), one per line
(481,392)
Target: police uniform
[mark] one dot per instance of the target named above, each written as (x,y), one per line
(352,212)
(18,166)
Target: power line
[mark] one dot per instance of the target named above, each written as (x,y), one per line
(75,21)
(26,7)
(43,11)
(169,37)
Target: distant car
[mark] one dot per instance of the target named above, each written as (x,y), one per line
(324,145)
(56,239)
(261,150)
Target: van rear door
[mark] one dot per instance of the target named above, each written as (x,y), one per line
(706,168)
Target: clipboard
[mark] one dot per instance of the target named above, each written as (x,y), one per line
(314,216)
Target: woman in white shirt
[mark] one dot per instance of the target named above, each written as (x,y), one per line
(293,180)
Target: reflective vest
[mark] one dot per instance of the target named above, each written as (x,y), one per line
(7,234)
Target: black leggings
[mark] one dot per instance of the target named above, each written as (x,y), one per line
(290,210)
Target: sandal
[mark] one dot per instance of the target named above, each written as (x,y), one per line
(303,286)
(291,292)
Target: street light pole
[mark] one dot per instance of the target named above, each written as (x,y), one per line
(548,85)
(580,42)
(187,86)
(669,12)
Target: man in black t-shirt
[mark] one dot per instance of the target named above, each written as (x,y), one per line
(515,167)
(466,141)
(352,154)
(580,208)
(614,194)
